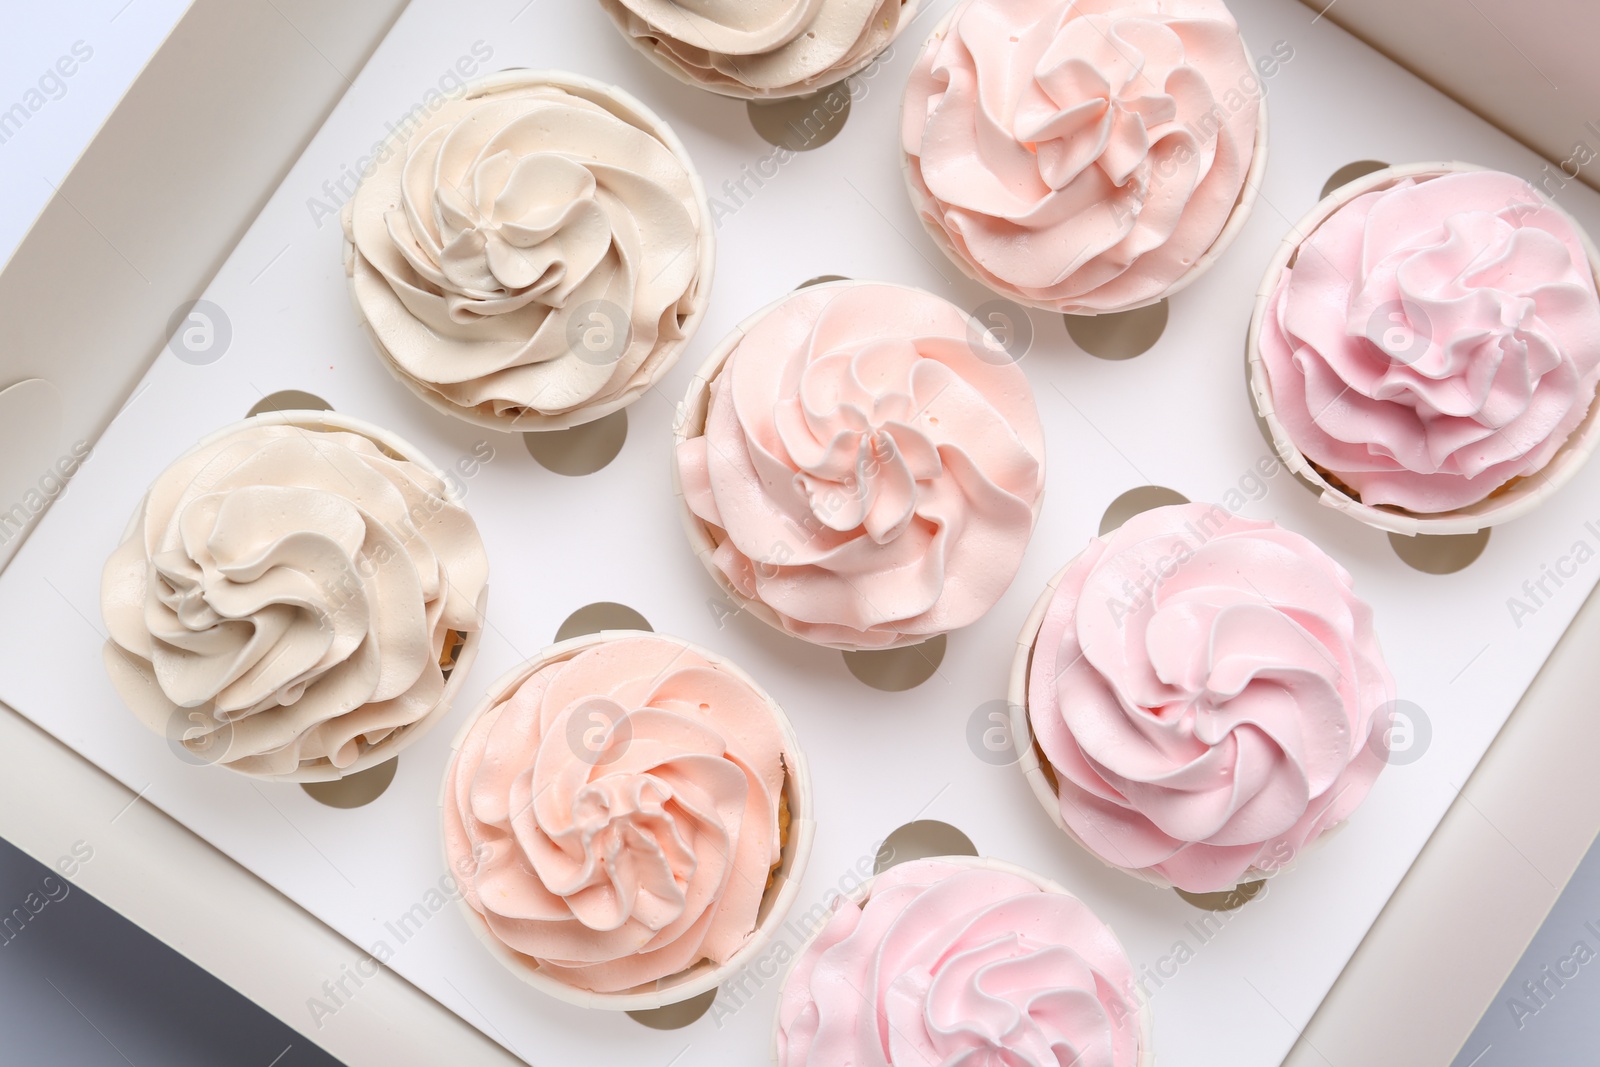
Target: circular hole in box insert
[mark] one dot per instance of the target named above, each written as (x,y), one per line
(1349,173)
(821,279)
(675,1016)
(894,670)
(1121,334)
(354,790)
(290,400)
(919,840)
(1439,553)
(602,615)
(798,123)
(582,449)
(1137,501)
(1227,899)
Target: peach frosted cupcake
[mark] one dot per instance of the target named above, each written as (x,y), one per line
(634,815)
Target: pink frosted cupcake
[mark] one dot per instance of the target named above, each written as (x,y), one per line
(1426,348)
(962,961)
(1084,157)
(1200,697)
(634,816)
(856,467)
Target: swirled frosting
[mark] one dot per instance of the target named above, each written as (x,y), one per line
(619,812)
(285,596)
(1205,689)
(529,251)
(864,471)
(756,48)
(952,965)
(1435,340)
(1081,156)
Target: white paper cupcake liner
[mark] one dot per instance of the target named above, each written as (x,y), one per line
(1503,506)
(402,737)
(908,12)
(627,107)
(775,904)
(1231,228)
(1029,758)
(1147,1056)
(690,422)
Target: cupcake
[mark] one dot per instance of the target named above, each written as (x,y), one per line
(532,255)
(632,815)
(1084,157)
(856,467)
(299,597)
(775,48)
(962,961)
(1199,697)
(1426,348)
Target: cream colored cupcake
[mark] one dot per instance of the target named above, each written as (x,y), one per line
(757,49)
(535,255)
(299,598)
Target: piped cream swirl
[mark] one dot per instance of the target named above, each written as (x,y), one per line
(1435,340)
(620,813)
(757,48)
(947,965)
(865,473)
(285,597)
(534,251)
(1206,690)
(1081,157)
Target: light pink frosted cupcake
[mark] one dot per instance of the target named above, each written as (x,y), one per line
(1084,157)
(957,960)
(1201,697)
(632,816)
(1426,348)
(857,468)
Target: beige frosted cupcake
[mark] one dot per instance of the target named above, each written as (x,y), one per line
(1425,348)
(858,467)
(534,255)
(631,816)
(1084,157)
(299,597)
(769,49)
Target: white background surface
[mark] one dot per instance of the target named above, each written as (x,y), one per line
(807,209)
(120,36)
